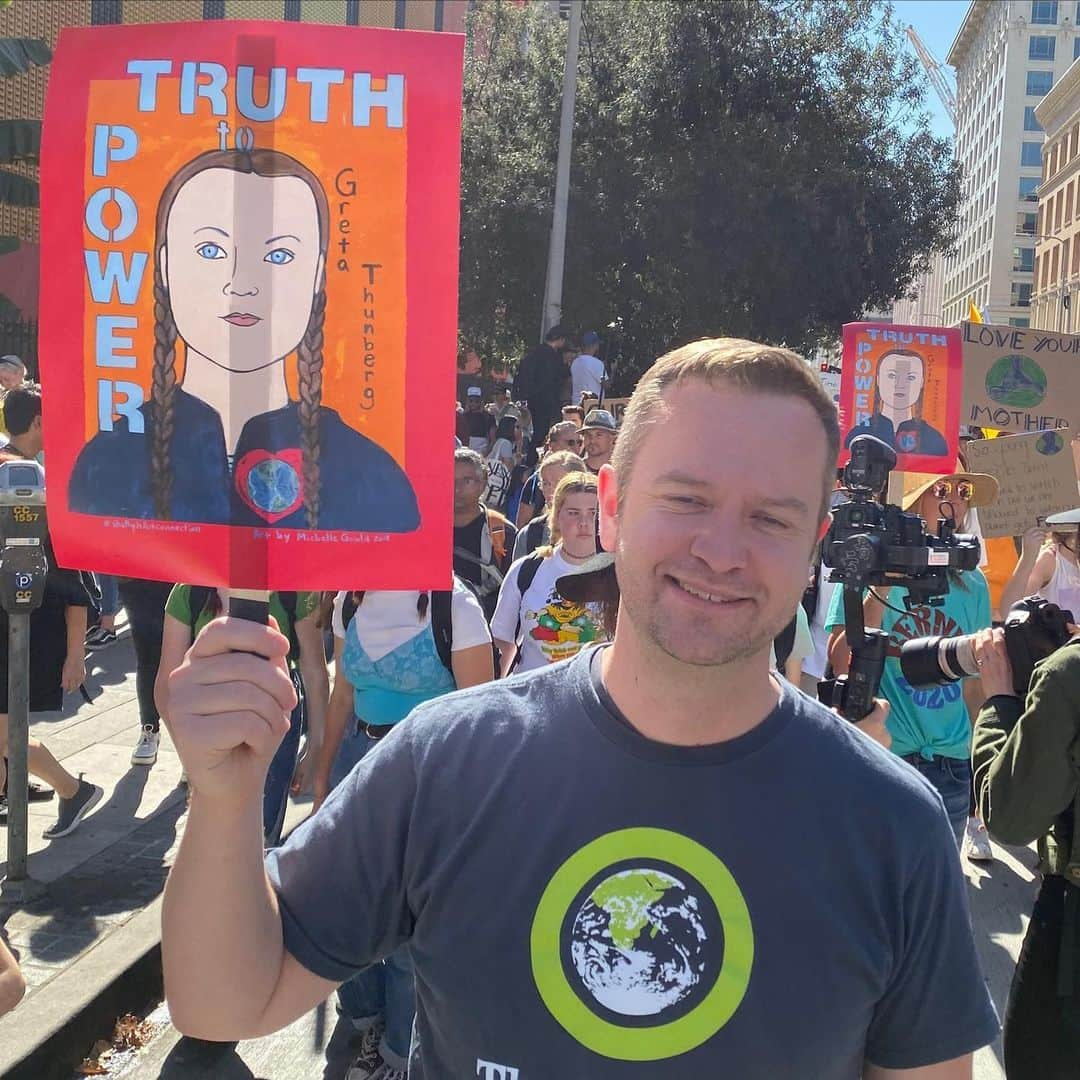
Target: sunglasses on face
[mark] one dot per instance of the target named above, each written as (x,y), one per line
(944,488)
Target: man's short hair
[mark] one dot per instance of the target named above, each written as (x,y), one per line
(21,405)
(10,360)
(745,365)
(556,332)
(563,459)
(466,455)
(560,427)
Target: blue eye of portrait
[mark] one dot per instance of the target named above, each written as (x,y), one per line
(279,256)
(210,250)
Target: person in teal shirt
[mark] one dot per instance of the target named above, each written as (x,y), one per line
(930,728)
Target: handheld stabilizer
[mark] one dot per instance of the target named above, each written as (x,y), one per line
(23,531)
(873,544)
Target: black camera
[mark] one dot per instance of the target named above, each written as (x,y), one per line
(873,544)
(1034,628)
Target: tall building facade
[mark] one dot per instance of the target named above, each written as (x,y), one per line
(924,303)
(1008,54)
(1057,253)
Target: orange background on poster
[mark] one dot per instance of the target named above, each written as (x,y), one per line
(376,234)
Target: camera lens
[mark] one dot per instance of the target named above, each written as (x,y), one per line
(931,661)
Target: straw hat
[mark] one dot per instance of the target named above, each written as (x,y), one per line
(918,484)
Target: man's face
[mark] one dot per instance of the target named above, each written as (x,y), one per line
(473,403)
(468,485)
(10,377)
(566,440)
(718,521)
(598,445)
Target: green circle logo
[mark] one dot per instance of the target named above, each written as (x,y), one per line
(625,949)
(1016,381)
(1050,443)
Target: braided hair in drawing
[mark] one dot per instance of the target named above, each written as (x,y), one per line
(309,350)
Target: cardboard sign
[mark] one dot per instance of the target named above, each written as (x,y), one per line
(1019,379)
(1036,477)
(249,309)
(616,406)
(902,385)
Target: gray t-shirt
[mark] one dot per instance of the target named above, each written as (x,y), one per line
(583,902)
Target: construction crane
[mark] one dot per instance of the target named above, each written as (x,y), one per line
(935,73)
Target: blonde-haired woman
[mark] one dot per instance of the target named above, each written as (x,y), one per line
(533,625)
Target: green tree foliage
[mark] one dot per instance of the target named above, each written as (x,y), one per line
(761,169)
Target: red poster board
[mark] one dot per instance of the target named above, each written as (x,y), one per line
(249,303)
(903,384)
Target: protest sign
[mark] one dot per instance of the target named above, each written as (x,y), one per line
(1020,379)
(249,305)
(617,407)
(1036,477)
(902,385)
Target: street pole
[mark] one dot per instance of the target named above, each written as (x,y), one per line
(18,777)
(557,248)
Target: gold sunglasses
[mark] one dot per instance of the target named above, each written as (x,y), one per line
(944,488)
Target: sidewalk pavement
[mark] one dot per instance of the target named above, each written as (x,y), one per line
(100,877)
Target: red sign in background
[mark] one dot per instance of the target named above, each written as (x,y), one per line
(158,266)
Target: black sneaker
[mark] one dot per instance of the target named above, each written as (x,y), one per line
(73,810)
(99,637)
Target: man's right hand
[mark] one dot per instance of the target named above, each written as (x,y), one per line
(229,707)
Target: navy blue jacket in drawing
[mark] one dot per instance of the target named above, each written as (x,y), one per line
(911,437)
(362,488)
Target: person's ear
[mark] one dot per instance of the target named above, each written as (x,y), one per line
(608,499)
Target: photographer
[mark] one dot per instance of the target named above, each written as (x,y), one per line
(930,729)
(1026,755)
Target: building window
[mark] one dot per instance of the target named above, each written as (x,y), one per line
(105,12)
(1029,186)
(1030,123)
(1020,321)
(1024,260)
(1044,12)
(1021,294)
(1027,223)
(1041,47)
(1076,44)
(1039,83)
(292,10)
(1031,155)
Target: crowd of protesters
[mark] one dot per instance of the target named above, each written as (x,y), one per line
(723,583)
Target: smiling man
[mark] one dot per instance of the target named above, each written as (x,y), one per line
(585,860)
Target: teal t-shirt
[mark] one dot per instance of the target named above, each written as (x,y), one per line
(935,720)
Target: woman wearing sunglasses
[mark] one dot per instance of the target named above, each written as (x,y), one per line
(930,728)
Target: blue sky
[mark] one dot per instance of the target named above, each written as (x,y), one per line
(936,22)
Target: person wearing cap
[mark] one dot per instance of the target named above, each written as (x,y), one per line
(1028,789)
(930,729)
(478,423)
(587,370)
(598,434)
(12,374)
(591,862)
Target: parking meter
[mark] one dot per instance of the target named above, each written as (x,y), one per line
(23,531)
(23,536)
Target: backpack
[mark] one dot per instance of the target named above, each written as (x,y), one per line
(526,575)
(492,552)
(534,535)
(200,596)
(442,622)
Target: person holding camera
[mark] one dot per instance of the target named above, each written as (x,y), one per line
(1026,756)
(930,728)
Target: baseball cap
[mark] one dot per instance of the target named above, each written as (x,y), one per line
(474,391)
(590,337)
(590,582)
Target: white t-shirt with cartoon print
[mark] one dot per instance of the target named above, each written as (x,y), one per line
(552,629)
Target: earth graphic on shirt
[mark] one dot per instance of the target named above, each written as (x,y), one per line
(638,942)
(273,485)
